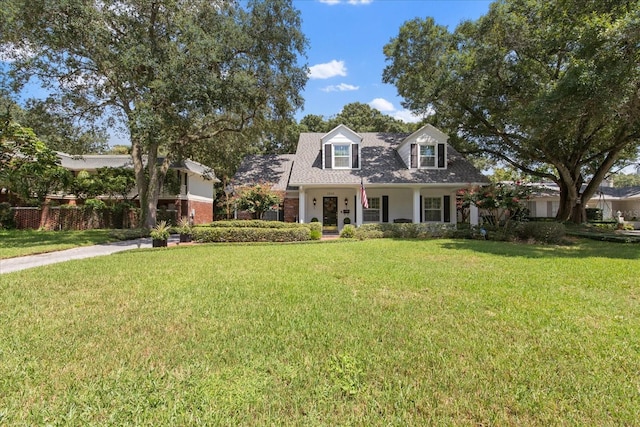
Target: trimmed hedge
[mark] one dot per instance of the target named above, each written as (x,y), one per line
(544,232)
(254,223)
(246,234)
(404,230)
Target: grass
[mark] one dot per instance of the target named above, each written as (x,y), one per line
(15,243)
(379,332)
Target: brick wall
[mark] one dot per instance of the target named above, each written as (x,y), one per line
(204,211)
(27,218)
(291,209)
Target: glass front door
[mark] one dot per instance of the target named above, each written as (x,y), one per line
(330,214)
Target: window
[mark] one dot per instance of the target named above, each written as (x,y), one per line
(373,213)
(432,209)
(427,156)
(341,156)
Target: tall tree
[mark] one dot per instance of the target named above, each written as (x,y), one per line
(361,117)
(532,84)
(175,72)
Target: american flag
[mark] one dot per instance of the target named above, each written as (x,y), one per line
(363,196)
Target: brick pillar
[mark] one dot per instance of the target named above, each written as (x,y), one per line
(291,209)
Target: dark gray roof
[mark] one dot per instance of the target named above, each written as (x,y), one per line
(269,168)
(97,161)
(380,164)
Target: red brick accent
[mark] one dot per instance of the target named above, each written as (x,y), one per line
(204,211)
(27,218)
(291,209)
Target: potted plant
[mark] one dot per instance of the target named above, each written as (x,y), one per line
(184,228)
(347,220)
(160,234)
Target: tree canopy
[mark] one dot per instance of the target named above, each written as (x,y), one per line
(178,74)
(358,117)
(551,88)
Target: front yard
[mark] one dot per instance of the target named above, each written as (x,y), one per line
(379,332)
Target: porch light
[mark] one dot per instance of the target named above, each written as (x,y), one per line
(346,201)
(314,201)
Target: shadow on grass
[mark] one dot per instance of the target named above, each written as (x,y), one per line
(32,238)
(580,249)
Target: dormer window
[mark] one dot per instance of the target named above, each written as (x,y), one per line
(341,156)
(428,156)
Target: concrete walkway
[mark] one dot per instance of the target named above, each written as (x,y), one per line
(22,263)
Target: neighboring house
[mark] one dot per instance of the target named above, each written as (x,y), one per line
(407,178)
(545,201)
(194,195)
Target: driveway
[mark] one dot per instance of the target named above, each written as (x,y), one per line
(22,263)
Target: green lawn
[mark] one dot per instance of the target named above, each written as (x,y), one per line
(379,332)
(15,243)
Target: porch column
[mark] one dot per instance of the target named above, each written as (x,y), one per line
(302,201)
(473,215)
(416,206)
(359,208)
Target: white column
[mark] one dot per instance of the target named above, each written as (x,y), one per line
(359,208)
(416,205)
(302,201)
(473,215)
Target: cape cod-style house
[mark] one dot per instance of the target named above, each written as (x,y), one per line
(406,178)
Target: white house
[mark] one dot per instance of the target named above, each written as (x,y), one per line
(406,178)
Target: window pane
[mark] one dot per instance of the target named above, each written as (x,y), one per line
(432,209)
(427,150)
(427,156)
(341,156)
(341,150)
(341,162)
(373,213)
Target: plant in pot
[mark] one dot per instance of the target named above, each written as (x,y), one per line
(160,234)
(184,228)
(347,220)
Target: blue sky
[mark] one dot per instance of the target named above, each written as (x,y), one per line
(346,38)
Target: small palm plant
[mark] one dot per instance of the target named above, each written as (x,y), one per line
(184,228)
(160,234)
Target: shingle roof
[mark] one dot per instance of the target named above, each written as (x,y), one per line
(97,161)
(271,168)
(380,164)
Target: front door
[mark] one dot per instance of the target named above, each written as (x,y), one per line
(330,214)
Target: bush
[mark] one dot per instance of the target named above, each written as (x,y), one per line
(6,216)
(404,230)
(94,204)
(544,232)
(248,234)
(348,232)
(254,223)
(315,234)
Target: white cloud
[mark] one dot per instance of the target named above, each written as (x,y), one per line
(360,1)
(9,52)
(330,2)
(387,107)
(382,105)
(342,87)
(328,70)
(406,116)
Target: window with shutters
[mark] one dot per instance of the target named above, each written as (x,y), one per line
(341,156)
(427,156)
(372,214)
(432,209)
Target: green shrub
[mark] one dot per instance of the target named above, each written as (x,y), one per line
(404,230)
(348,232)
(94,204)
(315,227)
(129,234)
(315,234)
(544,232)
(6,216)
(253,223)
(246,234)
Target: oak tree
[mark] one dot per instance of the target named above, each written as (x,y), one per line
(551,88)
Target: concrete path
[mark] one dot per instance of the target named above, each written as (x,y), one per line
(30,261)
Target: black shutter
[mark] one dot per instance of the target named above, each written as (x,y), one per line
(447,209)
(385,208)
(355,158)
(420,208)
(441,159)
(327,156)
(414,155)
